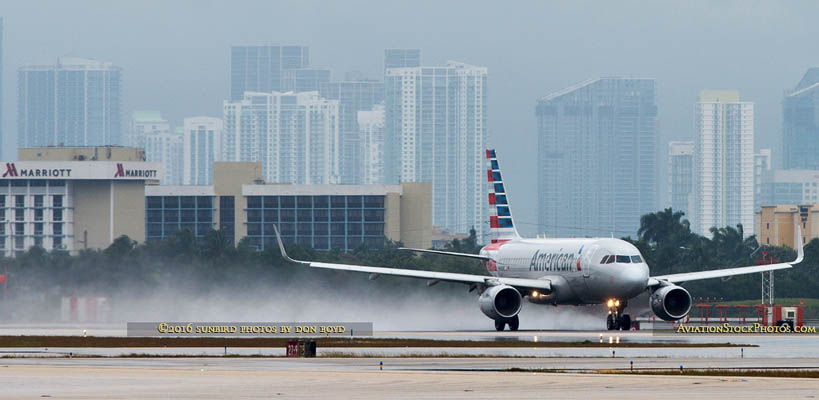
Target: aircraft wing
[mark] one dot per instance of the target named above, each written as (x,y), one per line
(431,276)
(448,253)
(721,273)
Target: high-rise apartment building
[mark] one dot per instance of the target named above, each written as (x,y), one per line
(681,175)
(401,58)
(259,68)
(596,157)
(304,79)
(144,122)
(153,133)
(762,163)
(788,186)
(435,131)
(371,125)
(800,123)
(723,162)
(294,135)
(75,102)
(202,146)
(353,97)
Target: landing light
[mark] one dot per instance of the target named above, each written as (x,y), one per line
(535,294)
(610,303)
(617,303)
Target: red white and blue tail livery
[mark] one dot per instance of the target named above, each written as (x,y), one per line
(558,271)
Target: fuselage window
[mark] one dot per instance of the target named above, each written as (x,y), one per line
(636,259)
(623,259)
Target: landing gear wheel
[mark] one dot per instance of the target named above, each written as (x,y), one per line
(514,322)
(611,322)
(499,324)
(625,322)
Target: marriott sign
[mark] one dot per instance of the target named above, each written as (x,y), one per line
(81,170)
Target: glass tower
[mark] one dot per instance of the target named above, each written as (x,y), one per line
(596,157)
(800,123)
(75,102)
(259,68)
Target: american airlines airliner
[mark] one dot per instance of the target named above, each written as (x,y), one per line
(558,271)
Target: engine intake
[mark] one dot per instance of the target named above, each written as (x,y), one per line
(500,302)
(671,302)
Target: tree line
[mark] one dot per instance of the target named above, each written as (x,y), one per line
(181,262)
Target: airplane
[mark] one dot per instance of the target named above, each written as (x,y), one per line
(568,271)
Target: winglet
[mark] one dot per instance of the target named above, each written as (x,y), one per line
(800,246)
(281,247)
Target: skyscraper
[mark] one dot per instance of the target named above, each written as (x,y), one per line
(75,102)
(294,135)
(762,164)
(401,58)
(596,157)
(202,146)
(259,68)
(2,137)
(681,175)
(166,147)
(153,133)
(304,79)
(371,125)
(800,124)
(435,131)
(353,97)
(723,162)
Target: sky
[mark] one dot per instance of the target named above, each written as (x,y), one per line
(175,55)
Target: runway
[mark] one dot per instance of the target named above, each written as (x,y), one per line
(361,378)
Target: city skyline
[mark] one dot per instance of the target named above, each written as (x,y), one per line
(510,116)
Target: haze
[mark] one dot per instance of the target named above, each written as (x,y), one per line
(175,55)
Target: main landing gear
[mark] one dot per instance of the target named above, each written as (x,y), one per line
(616,320)
(513,322)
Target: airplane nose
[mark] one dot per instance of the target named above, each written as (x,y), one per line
(637,278)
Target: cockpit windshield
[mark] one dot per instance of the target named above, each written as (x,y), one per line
(636,259)
(623,259)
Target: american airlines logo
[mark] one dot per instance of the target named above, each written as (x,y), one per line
(12,172)
(134,173)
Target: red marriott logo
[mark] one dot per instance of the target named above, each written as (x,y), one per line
(134,173)
(11,170)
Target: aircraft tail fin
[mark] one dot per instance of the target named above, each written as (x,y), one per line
(501,224)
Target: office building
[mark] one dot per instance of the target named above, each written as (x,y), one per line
(800,124)
(353,97)
(202,146)
(789,186)
(304,79)
(321,217)
(776,224)
(402,58)
(435,131)
(762,163)
(73,198)
(681,175)
(75,102)
(294,135)
(596,157)
(723,162)
(371,128)
(259,68)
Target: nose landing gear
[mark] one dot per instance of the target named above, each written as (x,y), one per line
(616,320)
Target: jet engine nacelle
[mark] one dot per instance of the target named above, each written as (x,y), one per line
(671,302)
(500,302)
